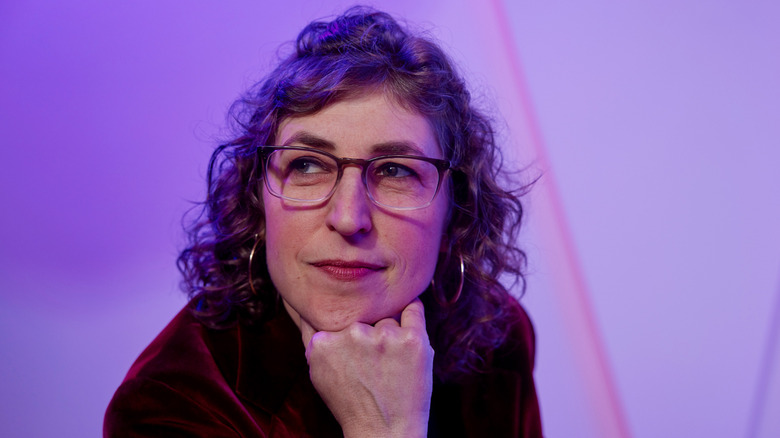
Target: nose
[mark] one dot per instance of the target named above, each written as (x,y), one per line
(349,209)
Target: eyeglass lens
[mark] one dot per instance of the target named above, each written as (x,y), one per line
(306,175)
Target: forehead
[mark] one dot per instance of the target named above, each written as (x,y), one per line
(368,124)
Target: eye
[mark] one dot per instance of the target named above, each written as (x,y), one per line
(395,170)
(307,165)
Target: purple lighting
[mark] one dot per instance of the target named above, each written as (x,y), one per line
(652,235)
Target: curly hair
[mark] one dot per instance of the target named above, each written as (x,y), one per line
(361,51)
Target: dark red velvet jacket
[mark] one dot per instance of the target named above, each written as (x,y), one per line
(253,381)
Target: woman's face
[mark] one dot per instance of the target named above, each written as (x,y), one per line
(347,259)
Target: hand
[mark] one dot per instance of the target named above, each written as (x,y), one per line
(376,380)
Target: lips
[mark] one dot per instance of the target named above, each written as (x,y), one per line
(344,270)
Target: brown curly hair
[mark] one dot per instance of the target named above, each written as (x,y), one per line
(366,50)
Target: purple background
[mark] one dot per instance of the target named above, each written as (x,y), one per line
(654,237)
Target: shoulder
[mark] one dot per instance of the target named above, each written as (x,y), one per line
(176,385)
(143,406)
(185,347)
(500,401)
(518,350)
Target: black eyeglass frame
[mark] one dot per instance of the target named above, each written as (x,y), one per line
(263,152)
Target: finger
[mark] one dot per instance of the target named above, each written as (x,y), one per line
(387,322)
(413,316)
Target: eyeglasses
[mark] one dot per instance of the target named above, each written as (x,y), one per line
(402,182)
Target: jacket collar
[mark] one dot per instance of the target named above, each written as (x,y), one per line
(271,359)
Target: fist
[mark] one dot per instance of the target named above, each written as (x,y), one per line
(376,380)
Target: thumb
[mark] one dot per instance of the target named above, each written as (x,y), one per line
(413,316)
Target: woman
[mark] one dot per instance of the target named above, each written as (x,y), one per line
(344,273)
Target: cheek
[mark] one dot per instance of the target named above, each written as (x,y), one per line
(275,231)
(287,233)
(277,222)
(424,244)
(281,247)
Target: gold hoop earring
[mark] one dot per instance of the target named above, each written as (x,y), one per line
(455,298)
(462,280)
(251,259)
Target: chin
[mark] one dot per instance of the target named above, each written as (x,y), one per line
(335,321)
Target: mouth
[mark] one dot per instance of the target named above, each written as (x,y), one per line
(344,270)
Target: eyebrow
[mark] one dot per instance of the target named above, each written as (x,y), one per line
(397,148)
(385,148)
(310,140)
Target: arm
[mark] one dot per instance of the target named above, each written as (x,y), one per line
(149,408)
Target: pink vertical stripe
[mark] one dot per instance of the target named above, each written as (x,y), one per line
(587,339)
(758,411)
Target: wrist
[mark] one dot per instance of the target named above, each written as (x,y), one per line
(405,430)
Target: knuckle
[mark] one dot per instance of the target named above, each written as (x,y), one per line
(320,341)
(413,341)
(355,331)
